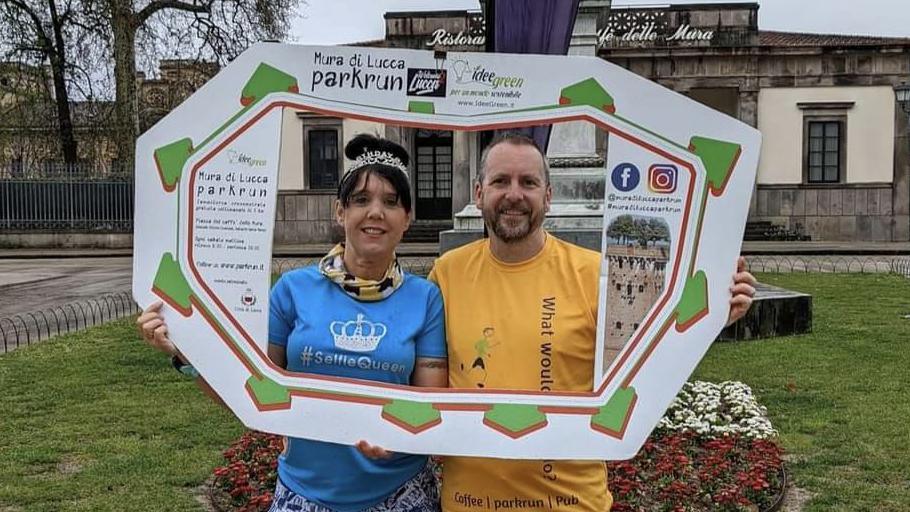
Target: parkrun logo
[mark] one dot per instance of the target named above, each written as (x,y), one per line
(357,335)
(465,73)
(426,82)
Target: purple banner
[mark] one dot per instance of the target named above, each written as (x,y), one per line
(541,26)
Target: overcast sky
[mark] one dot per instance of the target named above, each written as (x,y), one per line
(346,21)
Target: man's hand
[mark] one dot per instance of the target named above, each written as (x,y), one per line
(743,290)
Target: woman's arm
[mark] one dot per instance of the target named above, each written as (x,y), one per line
(430,372)
(153,330)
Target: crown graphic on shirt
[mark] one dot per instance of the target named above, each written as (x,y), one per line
(357,335)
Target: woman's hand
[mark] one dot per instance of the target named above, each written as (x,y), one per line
(153,329)
(372,452)
(428,372)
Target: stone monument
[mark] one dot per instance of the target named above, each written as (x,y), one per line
(576,167)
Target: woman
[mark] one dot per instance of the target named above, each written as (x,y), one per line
(314,314)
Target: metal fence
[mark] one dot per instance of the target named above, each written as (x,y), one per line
(28,328)
(417,265)
(860,264)
(60,197)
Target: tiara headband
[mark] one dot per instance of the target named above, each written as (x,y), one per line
(377,157)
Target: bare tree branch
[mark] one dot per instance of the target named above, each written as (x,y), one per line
(160,5)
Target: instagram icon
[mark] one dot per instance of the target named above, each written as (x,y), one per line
(662,178)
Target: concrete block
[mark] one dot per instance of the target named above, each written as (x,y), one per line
(811,202)
(300,203)
(279,208)
(799,202)
(848,201)
(846,229)
(774,312)
(824,202)
(786,202)
(773,202)
(312,207)
(836,202)
(881,228)
(862,201)
(873,202)
(900,232)
(884,201)
(761,204)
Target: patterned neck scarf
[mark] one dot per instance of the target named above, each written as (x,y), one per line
(332,267)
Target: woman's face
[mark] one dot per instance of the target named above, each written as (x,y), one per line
(374,220)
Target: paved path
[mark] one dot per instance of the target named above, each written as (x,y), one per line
(32,285)
(28,285)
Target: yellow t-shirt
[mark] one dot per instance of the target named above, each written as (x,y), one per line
(529,325)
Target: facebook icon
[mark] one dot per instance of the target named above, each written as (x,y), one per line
(625,177)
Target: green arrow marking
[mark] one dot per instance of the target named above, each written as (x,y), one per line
(170,160)
(421,107)
(694,302)
(588,92)
(719,159)
(412,416)
(266,80)
(171,284)
(268,393)
(515,420)
(612,418)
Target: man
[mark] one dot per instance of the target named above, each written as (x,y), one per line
(506,285)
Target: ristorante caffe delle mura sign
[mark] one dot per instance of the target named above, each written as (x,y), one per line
(646,28)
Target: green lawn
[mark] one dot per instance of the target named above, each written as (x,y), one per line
(840,397)
(96,421)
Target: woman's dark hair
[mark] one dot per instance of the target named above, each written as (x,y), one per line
(364,143)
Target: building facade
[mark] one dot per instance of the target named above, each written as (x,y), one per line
(29,139)
(835,162)
(442,162)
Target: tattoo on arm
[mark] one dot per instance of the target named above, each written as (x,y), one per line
(433,363)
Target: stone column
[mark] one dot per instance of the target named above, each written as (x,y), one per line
(576,172)
(576,139)
(900,192)
(463,156)
(576,169)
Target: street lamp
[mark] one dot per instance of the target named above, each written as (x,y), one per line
(902,92)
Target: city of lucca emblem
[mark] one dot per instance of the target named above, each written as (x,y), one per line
(357,335)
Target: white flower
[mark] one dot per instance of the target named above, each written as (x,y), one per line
(718,409)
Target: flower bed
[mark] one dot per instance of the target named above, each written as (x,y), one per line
(248,479)
(687,472)
(714,450)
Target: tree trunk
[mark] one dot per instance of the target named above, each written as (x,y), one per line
(126,108)
(58,70)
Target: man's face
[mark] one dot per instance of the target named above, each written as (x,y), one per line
(514,196)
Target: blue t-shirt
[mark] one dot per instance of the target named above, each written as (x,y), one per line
(326,331)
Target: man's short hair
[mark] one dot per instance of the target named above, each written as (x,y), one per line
(518,139)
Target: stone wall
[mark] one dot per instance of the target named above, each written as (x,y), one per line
(305,217)
(839,213)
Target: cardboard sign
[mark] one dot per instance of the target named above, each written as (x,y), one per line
(206,189)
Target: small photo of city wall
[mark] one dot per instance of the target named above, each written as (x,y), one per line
(637,251)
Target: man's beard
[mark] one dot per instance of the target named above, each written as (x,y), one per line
(511,229)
